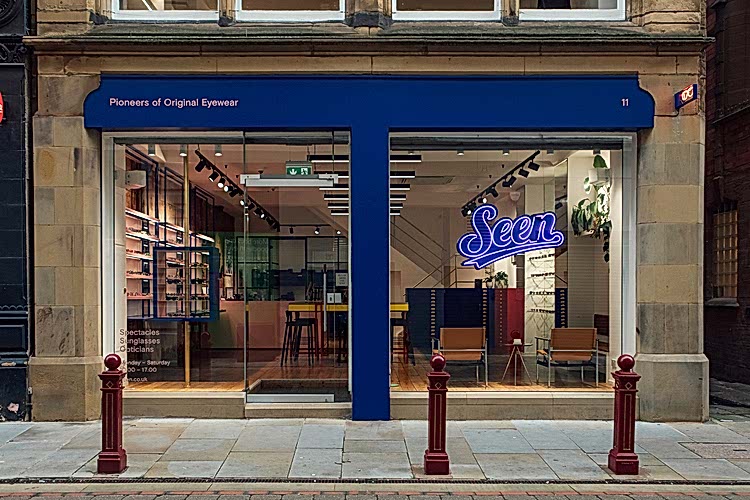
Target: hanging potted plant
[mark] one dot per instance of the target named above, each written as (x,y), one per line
(495,280)
(591,217)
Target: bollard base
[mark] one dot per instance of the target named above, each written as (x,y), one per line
(623,463)
(111,462)
(436,464)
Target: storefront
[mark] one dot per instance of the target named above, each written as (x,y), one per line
(296,266)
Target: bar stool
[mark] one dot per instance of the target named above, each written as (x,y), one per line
(311,329)
(405,346)
(290,330)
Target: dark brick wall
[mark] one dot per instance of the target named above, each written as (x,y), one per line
(727,327)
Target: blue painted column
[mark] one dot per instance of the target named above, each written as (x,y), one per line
(369,238)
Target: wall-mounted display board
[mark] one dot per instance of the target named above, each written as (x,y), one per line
(186,283)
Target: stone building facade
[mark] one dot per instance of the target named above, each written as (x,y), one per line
(727,176)
(78,41)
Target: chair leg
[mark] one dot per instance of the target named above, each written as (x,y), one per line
(477,373)
(581,374)
(596,384)
(284,343)
(549,372)
(537,371)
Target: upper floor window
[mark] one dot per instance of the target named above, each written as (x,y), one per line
(725,247)
(529,10)
(247,10)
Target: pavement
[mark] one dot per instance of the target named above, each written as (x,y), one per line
(342,450)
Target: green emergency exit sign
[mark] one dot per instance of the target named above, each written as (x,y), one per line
(298,170)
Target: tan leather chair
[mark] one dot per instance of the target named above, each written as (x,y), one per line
(568,347)
(465,346)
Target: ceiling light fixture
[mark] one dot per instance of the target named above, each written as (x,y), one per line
(506,152)
(226,188)
(534,166)
(217,150)
(523,172)
(460,152)
(152,150)
(336,197)
(183,150)
(550,151)
(291,229)
(410,158)
(400,187)
(509,181)
(214,175)
(338,232)
(317,230)
(328,158)
(597,151)
(200,166)
(242,202)
(397,197)
(222,182)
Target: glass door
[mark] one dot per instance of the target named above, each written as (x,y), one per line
(293,264)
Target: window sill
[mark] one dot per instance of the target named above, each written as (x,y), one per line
(722,302)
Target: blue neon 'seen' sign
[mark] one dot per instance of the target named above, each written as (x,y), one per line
(488,244)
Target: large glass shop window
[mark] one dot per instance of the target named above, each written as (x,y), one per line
(176,224)
(506,257)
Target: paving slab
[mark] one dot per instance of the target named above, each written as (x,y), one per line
(666,448)
(256,464)
(590,436)
(544,435)
(742,464)
(704,469)
(418,428)
(497,441)
(151,438)
(710,433)
(263,438)
(728,451)
(391,430)
(572,465)
(511,467)
(184,468)
(322,436)
(203,449)
(316,463)
(656,430)
(213,429)
(9,430)
(376,465)
(374,446)
(61,463)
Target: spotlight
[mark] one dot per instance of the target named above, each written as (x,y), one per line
(213,176)
(226,188)
(558,205)
(492,190)
(524,173)
(509,182)
(222,183)
(460,152)
(506,152)
(200,166)
(217,150)
(317,230)
(235,192)
(152,150)
(260,213)
(291,229)
(183,150)
(484,199)
(534,166)
(242,202)
(338,232)
(597,151)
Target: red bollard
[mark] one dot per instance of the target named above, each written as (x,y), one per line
(112,459)
(622,456)
(436,461)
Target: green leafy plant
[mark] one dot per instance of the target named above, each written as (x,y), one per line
(496,280)
(591,217)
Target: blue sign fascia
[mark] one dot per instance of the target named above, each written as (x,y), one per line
(686,95)
(422,103)
(487,243)
(370,107)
